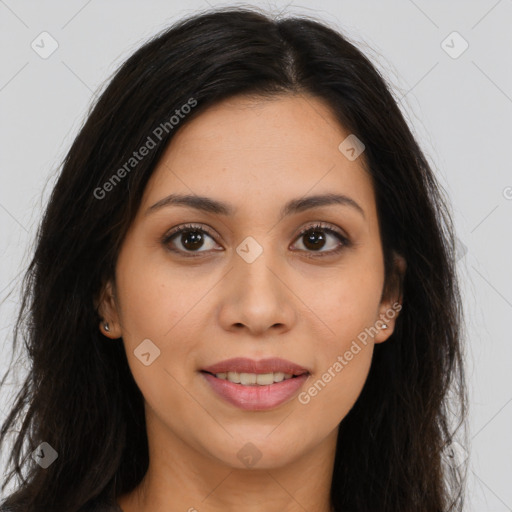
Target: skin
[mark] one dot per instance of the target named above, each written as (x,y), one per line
(255,154)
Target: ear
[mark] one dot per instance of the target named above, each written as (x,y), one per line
(391,300)
(107,308)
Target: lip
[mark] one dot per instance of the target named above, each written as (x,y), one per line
(256,398)
(245,365)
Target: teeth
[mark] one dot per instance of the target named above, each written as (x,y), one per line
(233,377)
(279,376)
(250,379)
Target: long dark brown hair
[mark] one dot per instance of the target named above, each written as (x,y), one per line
(79,395)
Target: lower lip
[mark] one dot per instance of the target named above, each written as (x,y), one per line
(256,398)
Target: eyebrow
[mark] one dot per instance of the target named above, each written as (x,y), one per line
(214,206)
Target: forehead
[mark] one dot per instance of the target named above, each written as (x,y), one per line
(255,153)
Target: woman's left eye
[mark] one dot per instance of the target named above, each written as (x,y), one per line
(314,239)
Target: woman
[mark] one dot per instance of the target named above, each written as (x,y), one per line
(243,292)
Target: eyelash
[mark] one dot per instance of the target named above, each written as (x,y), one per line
(344,242)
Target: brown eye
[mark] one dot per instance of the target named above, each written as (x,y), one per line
(188,238)
(192,240)
(315,238)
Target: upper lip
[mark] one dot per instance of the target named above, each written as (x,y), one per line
(245,365)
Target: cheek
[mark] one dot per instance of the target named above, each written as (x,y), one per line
(348,306)
(154,307)
(154,300)
(347,301)
(343,365)
(157,306)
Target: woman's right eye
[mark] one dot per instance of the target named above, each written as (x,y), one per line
(188,239)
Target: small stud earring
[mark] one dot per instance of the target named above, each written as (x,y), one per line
(107,328)
(384,326)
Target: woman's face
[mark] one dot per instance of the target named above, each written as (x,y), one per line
(243,283)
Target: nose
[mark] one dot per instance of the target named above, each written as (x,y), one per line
(256,297)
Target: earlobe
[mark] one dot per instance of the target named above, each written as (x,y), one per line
(105,329)
(385,325)
(391,303)
(107,310)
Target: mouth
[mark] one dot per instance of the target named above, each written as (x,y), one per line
(255,385)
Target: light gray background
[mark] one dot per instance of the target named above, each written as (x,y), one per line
(459,108)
